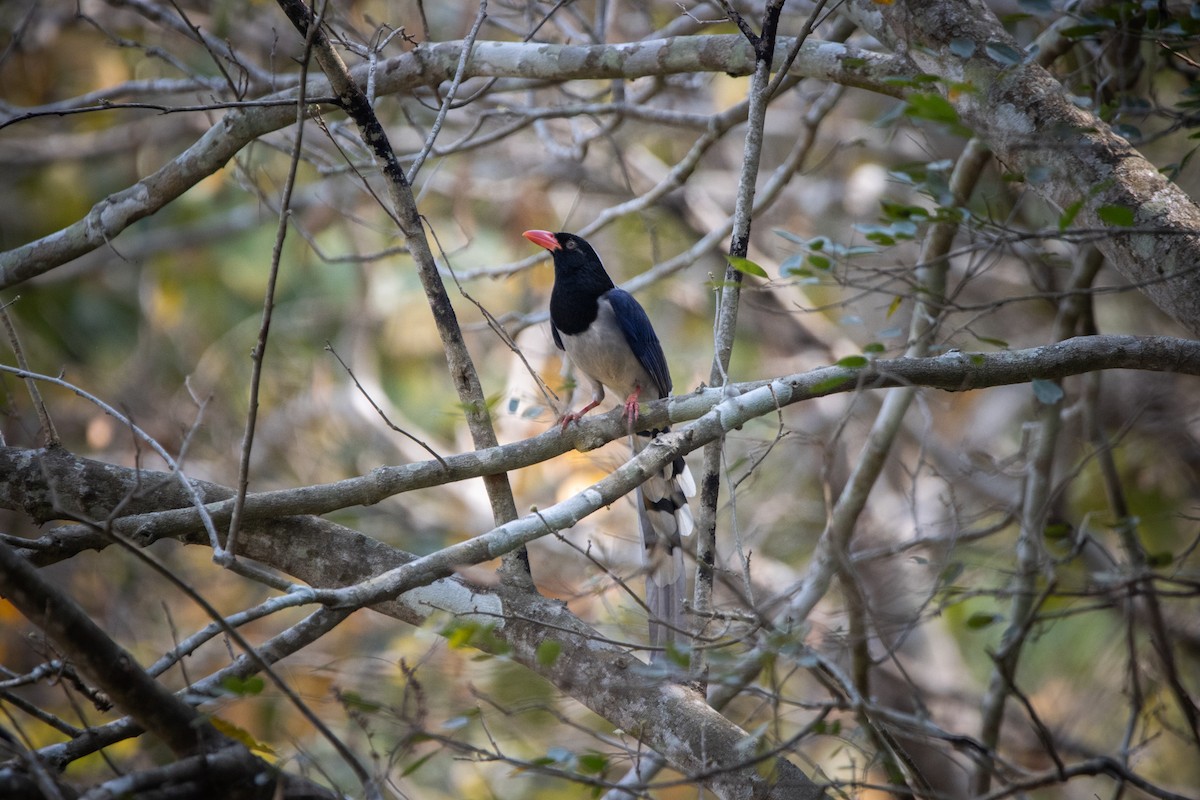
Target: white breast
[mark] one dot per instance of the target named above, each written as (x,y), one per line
(604,357)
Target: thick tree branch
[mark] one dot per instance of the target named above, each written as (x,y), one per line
(50,484)
(1067,154)
(105,662)
(525,620)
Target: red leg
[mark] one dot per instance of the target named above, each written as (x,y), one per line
(574,416)
(631,406)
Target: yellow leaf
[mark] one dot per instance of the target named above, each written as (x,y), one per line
(241,735)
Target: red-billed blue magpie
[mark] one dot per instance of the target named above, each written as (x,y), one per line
(608,337)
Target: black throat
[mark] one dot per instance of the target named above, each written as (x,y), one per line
(579,282)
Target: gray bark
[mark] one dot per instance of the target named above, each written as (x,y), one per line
(1067,154)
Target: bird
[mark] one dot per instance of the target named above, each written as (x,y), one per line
(608,337)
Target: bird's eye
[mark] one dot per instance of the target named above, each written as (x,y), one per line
(570,244)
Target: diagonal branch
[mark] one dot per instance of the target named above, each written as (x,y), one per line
(37,481)
(106,663)
(404,206)
(1025,116)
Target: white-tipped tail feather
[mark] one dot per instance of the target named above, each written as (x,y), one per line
(663,520)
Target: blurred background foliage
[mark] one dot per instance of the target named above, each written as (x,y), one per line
(160,324)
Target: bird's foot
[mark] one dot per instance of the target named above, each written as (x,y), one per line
(631,407)
(575,416)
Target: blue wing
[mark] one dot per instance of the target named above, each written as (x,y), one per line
(640,335)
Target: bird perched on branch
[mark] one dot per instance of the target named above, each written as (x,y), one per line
(608,337)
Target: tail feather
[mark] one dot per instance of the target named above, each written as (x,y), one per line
(663,520)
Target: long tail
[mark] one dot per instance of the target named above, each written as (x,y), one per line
(663,520)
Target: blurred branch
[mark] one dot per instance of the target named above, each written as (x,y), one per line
(220,50)
(191,778)
(106,663)
(31,386)
(429,66)
(285,643)
(598,673)
(1032,561)
(177,473)
(694,737)
(832,555)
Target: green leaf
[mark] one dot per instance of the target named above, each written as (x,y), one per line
(931,106)
(746,266)
(593,763)
(241,735)
(982,619)
(548,652)
(355,701)
(1082,31)
(902,211)
(243,687)
(459,635)
(1047,392)
(1057,530)
(1121,216)
(1161,559)
(853,362)
(879,237)
(895,304)
(1069,214)
(679,656)
(464,634)
(416,765)
(885,235)
(829,384)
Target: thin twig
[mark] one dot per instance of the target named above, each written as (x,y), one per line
(258,355)
(35,394)
(380,411)
(451,93)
